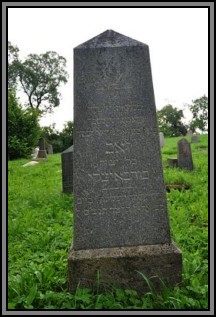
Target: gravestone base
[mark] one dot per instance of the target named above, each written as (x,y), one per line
(42,155)
(119,267)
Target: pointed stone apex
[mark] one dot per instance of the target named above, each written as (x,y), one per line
(110,38)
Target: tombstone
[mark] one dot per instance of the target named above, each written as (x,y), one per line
(184,155)
(42,153)
(194,139)
(189,133)
(49,149)
(161,136)
(67,170)
(121,224)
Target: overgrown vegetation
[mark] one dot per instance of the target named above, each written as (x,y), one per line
(40,227)
(23,128)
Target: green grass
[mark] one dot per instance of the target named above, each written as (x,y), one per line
(40,227)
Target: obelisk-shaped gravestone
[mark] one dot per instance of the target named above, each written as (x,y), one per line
(120,214)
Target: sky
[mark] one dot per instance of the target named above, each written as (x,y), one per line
(177,39)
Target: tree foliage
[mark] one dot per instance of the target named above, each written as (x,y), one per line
(199,109)
(59,140)
(13,62)
(40,77)
(170,121)
(23,129)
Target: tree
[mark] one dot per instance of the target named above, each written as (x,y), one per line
(13,62)
(169,121)
(67,134)
(59,140)
(199,109)
(40,77)
(23,129)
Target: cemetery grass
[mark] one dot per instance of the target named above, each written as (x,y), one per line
(40,226)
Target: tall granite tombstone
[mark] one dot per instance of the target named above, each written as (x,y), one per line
(161,136)
(184,155)
(121,224)
(42,153)
(67,170)
(194,139)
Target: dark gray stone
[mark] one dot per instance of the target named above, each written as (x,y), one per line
(67,170)
(42,144)
(119,191)
(194,139)
(42,154)
(184,155)
(161,136)
(120,267)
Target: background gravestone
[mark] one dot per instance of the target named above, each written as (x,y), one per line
(120,214)
(49,149)
(194,139)
(42,153)
(184,155)
(161,136)
(67,170)
(189,133)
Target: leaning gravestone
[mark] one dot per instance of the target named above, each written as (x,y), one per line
(67,170)
(42,153)
(184,155)
(121,224)
(194,139)
(161,136)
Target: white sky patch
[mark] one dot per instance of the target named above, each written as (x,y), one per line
(177,39)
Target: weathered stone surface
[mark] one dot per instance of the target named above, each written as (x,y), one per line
(119,267)
(194,139)
(184,155)
(42,154)
(120,214)
(161,136)
(67,170)
(42,144)
(119,190)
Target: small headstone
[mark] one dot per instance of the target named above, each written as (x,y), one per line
(121,221)
(194,139)
(42,144)
(67,170)
(42,153)
(184,155)
(161,136)
(49,149)
(189,133)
